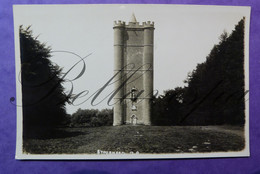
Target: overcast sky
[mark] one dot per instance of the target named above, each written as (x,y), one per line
(183,37)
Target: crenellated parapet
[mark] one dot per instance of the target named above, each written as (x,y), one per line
(147,24)
(133,25)
(119,23)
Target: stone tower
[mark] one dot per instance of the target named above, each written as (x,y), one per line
(133,69)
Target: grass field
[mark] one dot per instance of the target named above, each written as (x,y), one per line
(144,139)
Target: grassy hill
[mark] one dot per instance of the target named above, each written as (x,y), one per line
(144,139)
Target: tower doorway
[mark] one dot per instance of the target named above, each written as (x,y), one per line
(133,119)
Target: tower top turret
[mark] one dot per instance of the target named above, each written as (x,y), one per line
(133,18)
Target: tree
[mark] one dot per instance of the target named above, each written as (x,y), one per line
(215,92)
(167,108)
(92,118)
(42,91)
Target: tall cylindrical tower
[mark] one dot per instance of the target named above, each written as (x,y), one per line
(148,75)
(119,28)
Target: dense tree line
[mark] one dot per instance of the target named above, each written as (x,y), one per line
(215,90)
(92,118)
(42,91)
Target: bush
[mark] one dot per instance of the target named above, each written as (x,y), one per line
(92,118)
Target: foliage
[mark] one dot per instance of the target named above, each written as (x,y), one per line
(42,91)
(214,94)
(167,107)
(92,118)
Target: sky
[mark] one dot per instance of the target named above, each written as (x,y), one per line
(183,37)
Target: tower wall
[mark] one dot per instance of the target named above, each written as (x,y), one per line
(118,65)
(134,41)
(133,45)
(148,75)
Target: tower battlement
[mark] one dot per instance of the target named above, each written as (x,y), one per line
(134,24)
(147,24)
(119,23)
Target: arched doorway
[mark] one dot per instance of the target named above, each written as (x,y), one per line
(133,119)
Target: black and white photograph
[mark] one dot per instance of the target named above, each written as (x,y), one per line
(131,81)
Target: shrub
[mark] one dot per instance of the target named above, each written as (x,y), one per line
(92,118)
